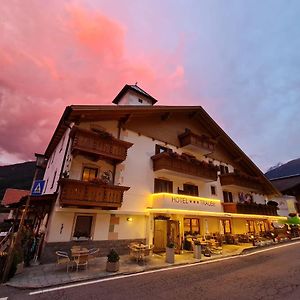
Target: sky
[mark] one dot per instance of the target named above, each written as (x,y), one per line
(239,60)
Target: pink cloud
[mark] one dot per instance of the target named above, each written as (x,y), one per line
(60,54)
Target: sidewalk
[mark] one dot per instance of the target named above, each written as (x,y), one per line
(51,275)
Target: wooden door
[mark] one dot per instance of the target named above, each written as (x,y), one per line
(160,235)
(174,234)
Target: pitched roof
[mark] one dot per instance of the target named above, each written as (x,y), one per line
(87,113)
(135,89)
(285,183)
(12,196)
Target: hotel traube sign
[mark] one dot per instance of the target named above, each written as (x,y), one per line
(175,201)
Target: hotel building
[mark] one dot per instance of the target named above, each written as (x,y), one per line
(137,171)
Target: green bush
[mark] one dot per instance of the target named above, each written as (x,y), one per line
(113,256)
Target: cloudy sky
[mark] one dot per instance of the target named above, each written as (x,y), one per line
(240,60)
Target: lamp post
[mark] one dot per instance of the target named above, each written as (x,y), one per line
(39,164)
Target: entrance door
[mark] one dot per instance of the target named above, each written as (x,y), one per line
(160,235)
(174,234)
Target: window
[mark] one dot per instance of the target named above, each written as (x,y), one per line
(224,169)
(250,226)
(161,186)
(226,226)
(213,190)
(227,196)
(160,149)
(83,227)
(141,100)
(89,173)
(190,189)
(191,226)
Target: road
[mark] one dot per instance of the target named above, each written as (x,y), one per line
(273,274)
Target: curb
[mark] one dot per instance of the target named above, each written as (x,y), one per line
(198,262)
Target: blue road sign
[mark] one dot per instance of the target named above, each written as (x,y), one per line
(38,187)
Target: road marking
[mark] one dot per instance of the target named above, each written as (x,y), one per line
(156,271)
(4,298)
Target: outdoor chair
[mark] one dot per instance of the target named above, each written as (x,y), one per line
(93,253)
(81,260)
(63,259)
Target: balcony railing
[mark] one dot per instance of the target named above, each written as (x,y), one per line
(98,145)
(91,194)
(201,143)
(184,165)
(250,208)
(241,180)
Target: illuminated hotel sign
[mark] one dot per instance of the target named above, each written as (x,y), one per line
(174,201)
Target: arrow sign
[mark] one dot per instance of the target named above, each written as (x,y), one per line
(38,187)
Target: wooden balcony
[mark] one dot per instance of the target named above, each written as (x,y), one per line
(182,165)
(202,144)
(250,208)
(90,194)
(241,180)
(98,145)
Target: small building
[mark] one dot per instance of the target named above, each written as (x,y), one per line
(137,171)
(289,185)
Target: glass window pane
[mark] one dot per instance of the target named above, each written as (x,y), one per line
(83,226)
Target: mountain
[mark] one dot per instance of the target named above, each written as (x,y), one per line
(282,170)
(274,167)
(18,176)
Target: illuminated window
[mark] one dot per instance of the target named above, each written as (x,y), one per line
(226,226)
(161,186)
(89,173)
(191,226)
(250,226)
(83,227)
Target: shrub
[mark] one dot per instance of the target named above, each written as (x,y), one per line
(113,256)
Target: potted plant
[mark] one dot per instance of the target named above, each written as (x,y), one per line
(197,249)
(112,264)
(170,253)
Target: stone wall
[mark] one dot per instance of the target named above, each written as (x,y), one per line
(121,246)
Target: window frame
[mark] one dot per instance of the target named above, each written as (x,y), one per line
(191,189)
(228,198)
(169,185)
(215,190)
(90,168)
(191,226)
(92,229)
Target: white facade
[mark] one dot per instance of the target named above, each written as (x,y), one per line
(141,212)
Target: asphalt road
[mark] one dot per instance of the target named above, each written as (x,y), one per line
(272,275)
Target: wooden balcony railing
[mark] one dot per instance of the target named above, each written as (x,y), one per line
(250,208)
(203,144)
(98,145)
(90,194)
(241,180)
(182,164)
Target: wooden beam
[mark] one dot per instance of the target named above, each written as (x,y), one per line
(125,119)
(165,116)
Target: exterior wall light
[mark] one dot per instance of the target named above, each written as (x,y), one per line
(129,219)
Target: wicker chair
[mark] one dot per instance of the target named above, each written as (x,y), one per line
(63,259)
(81,260)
